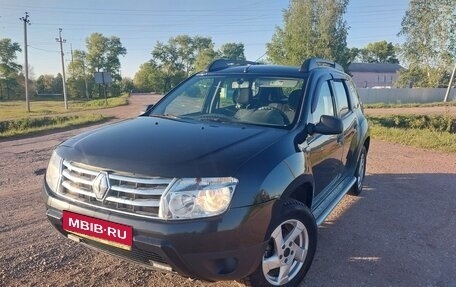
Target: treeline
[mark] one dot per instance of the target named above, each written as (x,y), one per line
(181,56)
(317,28)
(101,54)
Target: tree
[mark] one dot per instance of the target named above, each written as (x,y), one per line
(378,52)
(45,84)
(103,54)
(77,66)
(9,69)
(429,49)
(57,84)
(176,59)
(149,78)
(312,28)
(205,53)
(166,59)
(183,55)
(353,54)
(184,51)
(227,51)
(204,58)
(180,53)
(113,51)
(49,85)
(233,51)
(79,84)
(8,56)
(127,85)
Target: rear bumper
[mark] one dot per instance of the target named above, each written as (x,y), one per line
(226,247)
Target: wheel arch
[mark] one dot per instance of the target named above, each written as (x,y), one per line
(301,189)
(367,143)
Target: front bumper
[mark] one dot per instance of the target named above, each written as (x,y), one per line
(226,247)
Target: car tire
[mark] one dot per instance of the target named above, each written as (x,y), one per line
(360,173)
(292,242)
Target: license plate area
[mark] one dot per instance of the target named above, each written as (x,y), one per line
(103,231)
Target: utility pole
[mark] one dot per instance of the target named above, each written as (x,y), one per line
(85,78)
(71,47)
(26,21)
(449,84)
(72,60)
(61,41)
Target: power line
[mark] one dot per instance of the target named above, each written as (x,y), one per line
(244,7)
(44,50)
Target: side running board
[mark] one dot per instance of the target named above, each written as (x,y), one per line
(329,203)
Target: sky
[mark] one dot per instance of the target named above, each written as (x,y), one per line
(140,24)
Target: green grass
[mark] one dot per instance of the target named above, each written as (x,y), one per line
(412,105)
(25,126)
(430,132)
(51,114)
(16,109)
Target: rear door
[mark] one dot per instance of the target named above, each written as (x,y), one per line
(344,110)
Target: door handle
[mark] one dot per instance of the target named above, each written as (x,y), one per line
(340,139)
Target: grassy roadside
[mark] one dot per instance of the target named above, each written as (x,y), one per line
(49,115)
(423,131)
(412,105)
(16,109)
(29,126)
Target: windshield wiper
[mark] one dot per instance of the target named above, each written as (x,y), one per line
(164,116)
(218,118)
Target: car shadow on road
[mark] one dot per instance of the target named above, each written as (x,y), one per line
(401,231)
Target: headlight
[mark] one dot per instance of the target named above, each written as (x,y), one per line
(53,171)
(197,197)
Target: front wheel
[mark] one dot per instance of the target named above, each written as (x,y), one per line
(290,250)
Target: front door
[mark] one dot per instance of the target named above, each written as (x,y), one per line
(325,151)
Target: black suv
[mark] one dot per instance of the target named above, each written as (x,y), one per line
(226,178)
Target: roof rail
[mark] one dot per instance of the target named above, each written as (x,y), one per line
(313,63)
(221,64)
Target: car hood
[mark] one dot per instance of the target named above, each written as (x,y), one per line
(170,147)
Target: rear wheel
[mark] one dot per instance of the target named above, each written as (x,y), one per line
(290,250)
(360,173)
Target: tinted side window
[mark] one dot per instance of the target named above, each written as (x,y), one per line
(354,94)
(324,103)
(341,98)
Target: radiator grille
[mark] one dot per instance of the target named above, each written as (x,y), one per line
(125,193)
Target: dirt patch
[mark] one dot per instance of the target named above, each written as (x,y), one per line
(401,231)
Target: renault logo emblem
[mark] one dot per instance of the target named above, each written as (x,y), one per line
(100,186)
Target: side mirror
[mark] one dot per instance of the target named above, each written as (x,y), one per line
(328,125)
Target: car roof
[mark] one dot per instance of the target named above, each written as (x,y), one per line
(261,69)
(222,66)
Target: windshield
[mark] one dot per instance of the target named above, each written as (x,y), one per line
(270,101)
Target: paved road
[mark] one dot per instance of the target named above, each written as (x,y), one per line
(400,232)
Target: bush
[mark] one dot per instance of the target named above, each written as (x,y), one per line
(433,132)
(432,123)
